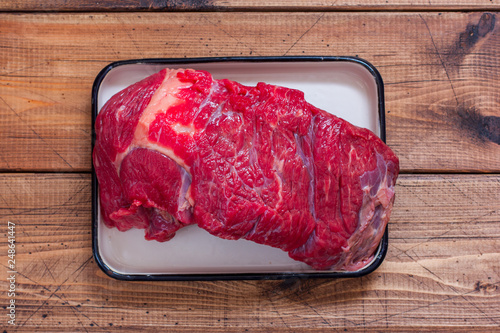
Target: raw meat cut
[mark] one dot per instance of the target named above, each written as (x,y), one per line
(258,163)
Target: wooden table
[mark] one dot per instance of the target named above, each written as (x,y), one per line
(440,63)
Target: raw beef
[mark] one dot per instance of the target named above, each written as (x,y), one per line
(258,163)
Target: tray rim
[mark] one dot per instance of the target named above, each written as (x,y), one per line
(383,245)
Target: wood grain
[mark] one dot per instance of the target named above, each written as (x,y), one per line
(442,271)
(273,5)
(440,72)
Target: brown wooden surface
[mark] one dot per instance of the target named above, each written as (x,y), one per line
(259,5)
(442,269)
(441,74)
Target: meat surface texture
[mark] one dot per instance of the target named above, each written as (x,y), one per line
(256,163)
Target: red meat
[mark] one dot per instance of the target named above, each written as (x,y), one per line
(258,163)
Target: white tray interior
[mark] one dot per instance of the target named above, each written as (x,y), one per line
(346,89)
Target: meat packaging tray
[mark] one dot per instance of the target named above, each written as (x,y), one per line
(348,87)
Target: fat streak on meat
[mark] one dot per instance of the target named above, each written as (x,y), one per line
(256,163)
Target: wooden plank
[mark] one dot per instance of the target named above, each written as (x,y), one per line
(274,5)
(442,270)
(440,72)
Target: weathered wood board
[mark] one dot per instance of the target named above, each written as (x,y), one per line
(440,72)
(440,64)
(442,270)
(255,5)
